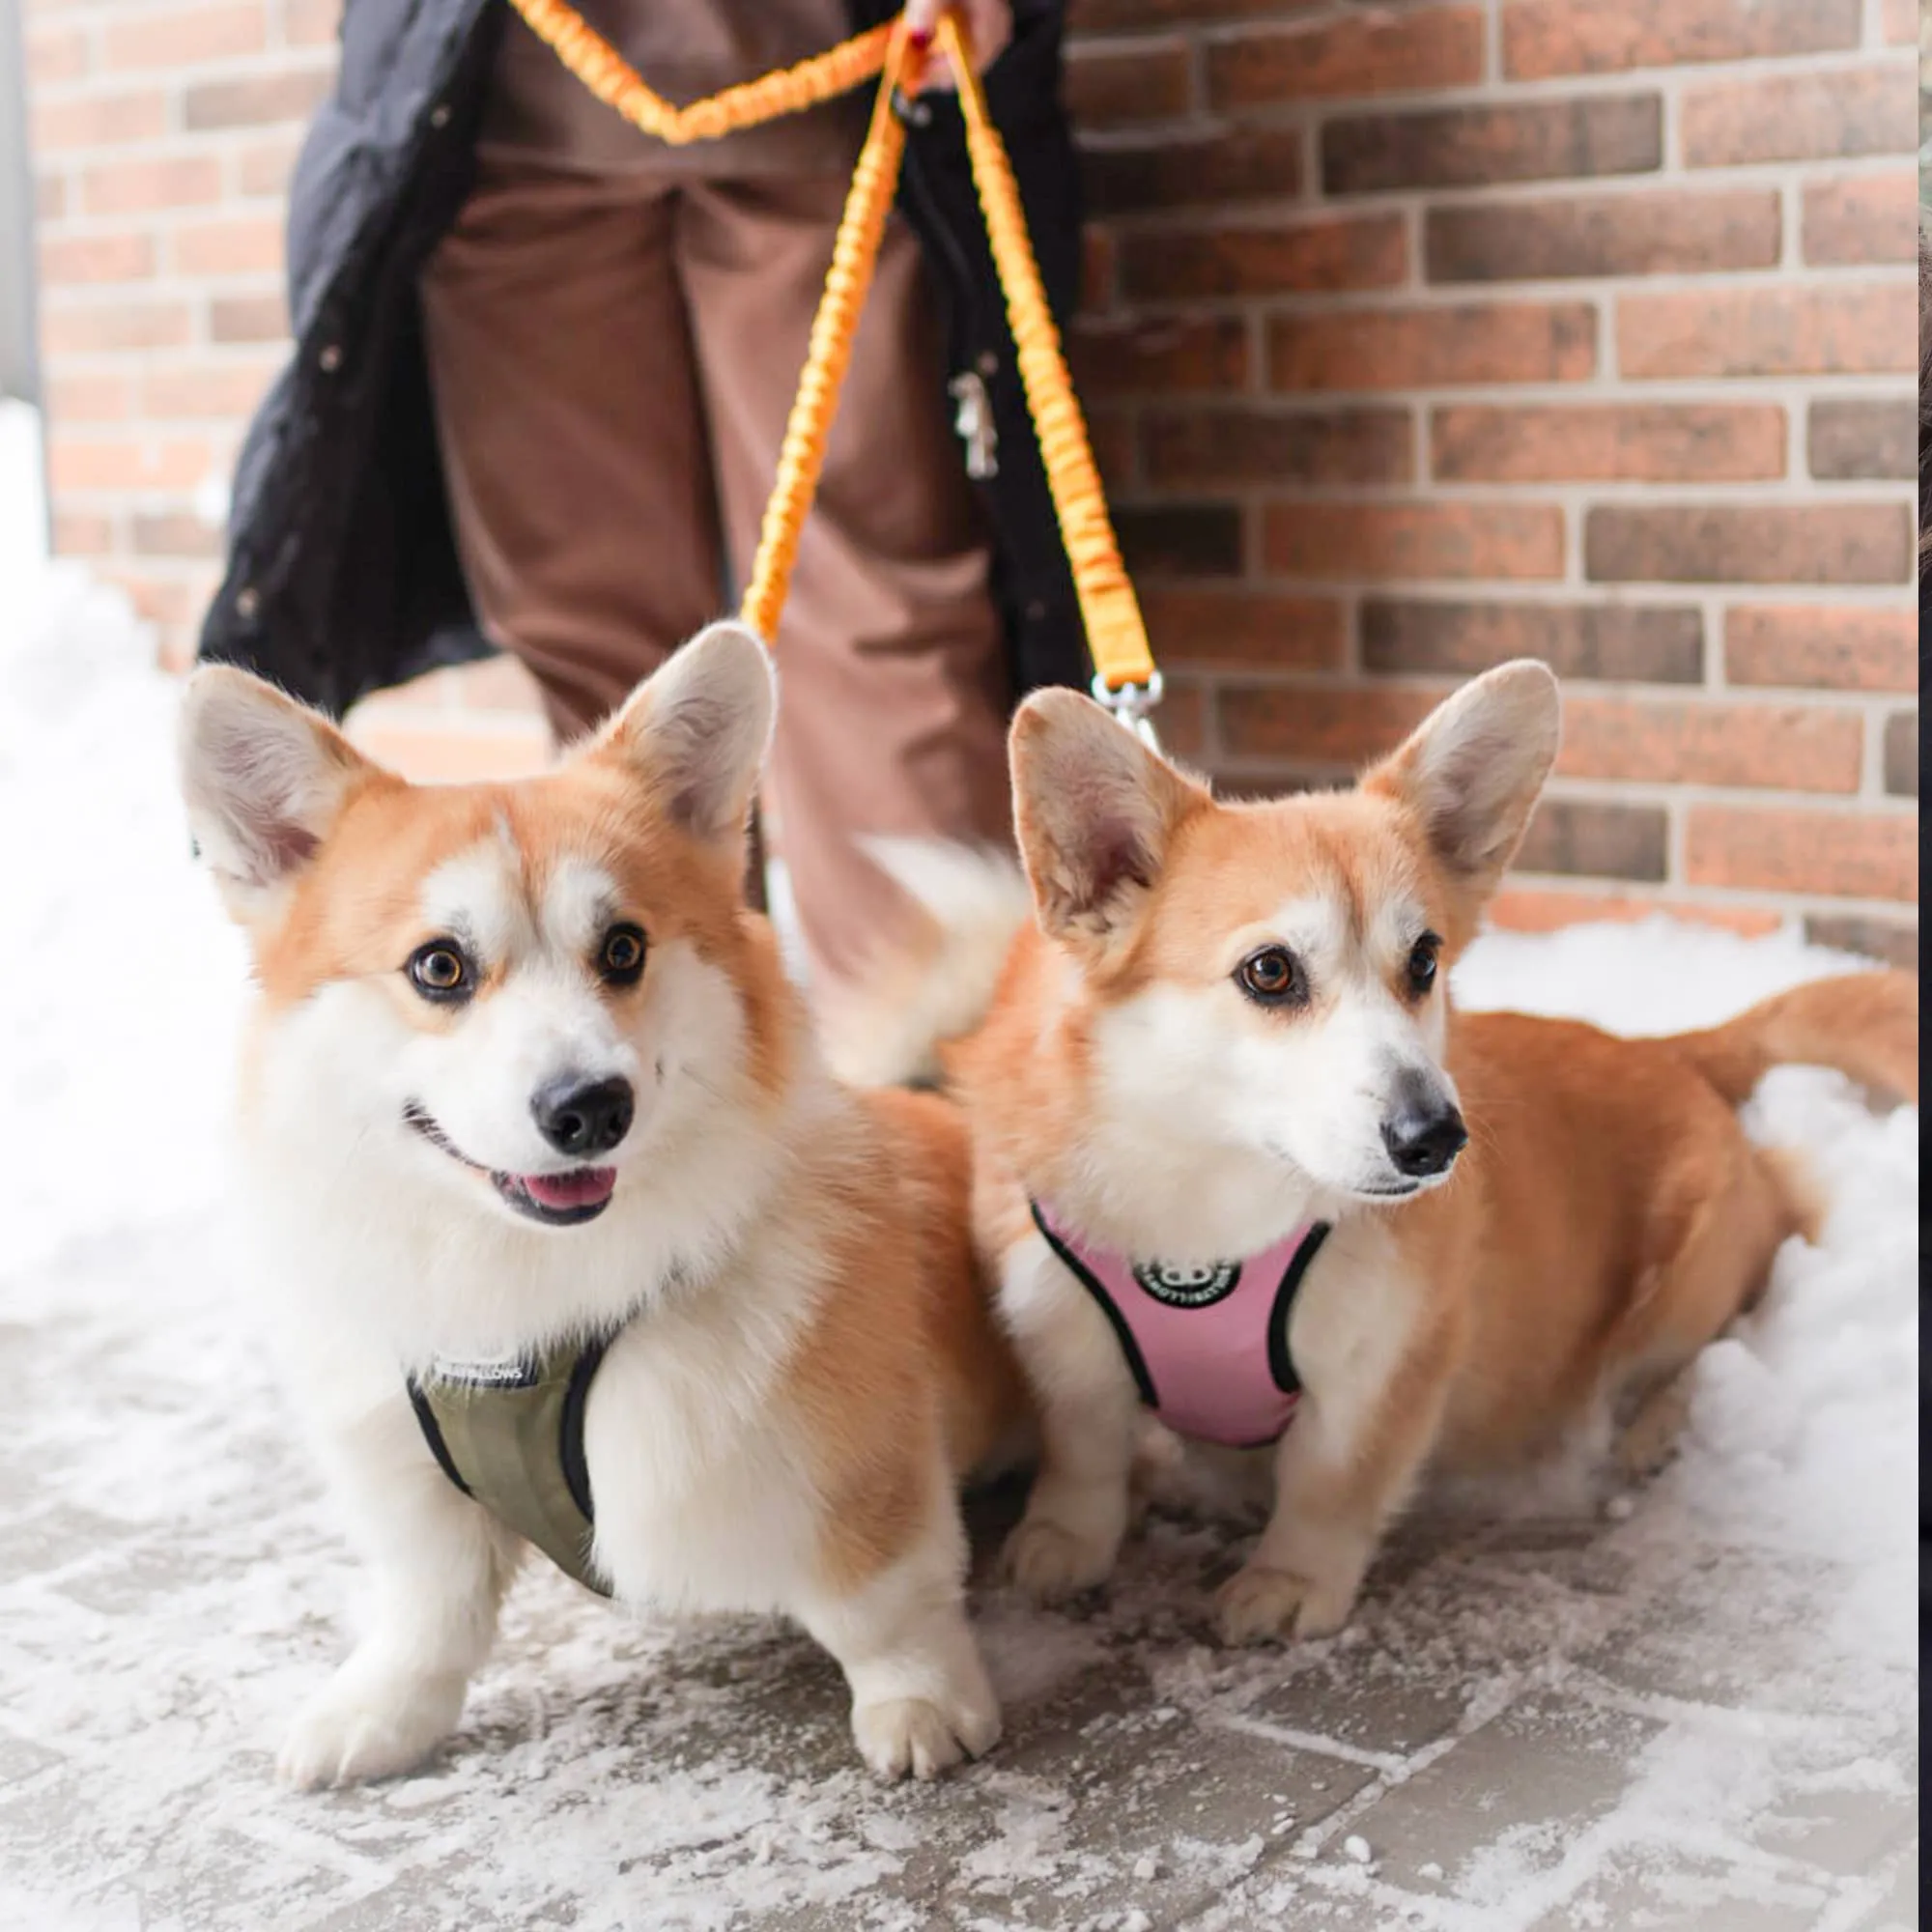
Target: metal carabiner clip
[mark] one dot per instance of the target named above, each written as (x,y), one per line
(1132,705)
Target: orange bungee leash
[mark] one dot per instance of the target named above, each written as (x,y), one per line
(1125,678)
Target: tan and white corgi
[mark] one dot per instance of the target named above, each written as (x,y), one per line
(1236,1158)
(522,1078)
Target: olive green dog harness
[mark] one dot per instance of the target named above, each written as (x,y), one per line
(510,1435)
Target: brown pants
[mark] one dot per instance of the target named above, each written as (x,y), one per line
(614,358)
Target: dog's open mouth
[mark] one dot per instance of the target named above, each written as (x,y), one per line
(557,1200)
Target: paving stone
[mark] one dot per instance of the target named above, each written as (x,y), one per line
(1662,1891)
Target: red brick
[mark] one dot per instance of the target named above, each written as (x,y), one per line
(1533,909)
(248,319)
(117,325)
(1891,940)
(1862,218)
(1696,741)
(1901,754)
(1802,117)
(1232,164)
(1542,38)
(1183,539)
(173,535)
(1114,436)
(1590,838)
(216,391)
(99,121)
(1320,724)
(1816,646)
(1664,232)
(1378,53)
(1206,447)
(127,463)
(1901,24)
(1414,540)
(183,37)
(1099,269)
(1275,258)
(1113,86)
(125,257)
(89,398)
(56,54)
(259,102)
(1779,330)
(1609,442)
(1159,357)
(1642,643)
(1724,543)
(309,23)
(1183,720)
(1863,440)
(1471,147)
(77,535)
(124,187)
(264,168)
(1243,628)
(1425,348)
(1852,855)
(49,197)
(248,246)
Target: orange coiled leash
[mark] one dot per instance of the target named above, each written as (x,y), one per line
(1125,678)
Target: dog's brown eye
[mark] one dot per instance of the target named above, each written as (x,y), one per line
(442,971)
(622,958)
(1422,962)
(1273,976)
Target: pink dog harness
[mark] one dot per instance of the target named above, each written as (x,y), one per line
(1208,1345)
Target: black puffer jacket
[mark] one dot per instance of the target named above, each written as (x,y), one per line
(342,573)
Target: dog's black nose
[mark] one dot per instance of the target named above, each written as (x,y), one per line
(1424,1139)
(584,1117)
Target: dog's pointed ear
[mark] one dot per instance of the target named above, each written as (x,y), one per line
(264,779)
(697,730)
(1472,771)
(1094,810)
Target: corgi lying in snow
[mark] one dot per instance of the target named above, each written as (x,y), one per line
(1236,1157)
(522,1071)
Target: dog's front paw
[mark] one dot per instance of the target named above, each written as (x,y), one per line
(1051,1562)
(363,1724)
(1257,1603)
(917,1735)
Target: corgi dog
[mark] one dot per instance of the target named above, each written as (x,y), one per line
(1236,1158)
(522,1069)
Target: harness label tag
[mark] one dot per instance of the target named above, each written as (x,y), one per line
(500,1372)
(1190,1286)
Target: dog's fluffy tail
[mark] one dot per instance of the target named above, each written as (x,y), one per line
(937,987)
(1864,1024)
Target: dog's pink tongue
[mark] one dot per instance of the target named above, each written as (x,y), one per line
(585,1187)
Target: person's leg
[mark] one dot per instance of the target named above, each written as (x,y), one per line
(576,454)
(890,656)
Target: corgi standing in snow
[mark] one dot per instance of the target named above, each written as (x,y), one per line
(1236,1159)
(560,1211)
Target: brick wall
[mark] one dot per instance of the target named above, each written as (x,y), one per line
(1418,335)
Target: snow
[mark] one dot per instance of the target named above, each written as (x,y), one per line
(1709,1691)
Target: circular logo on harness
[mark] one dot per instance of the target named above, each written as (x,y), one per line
(1184,1284)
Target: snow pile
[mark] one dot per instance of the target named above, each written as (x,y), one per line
(1711,1686)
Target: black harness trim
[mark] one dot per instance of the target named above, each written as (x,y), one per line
(570,1428)
(1118,1321)
(1280,1364)
(433,1434)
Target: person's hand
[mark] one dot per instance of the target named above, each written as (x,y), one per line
(988,25)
